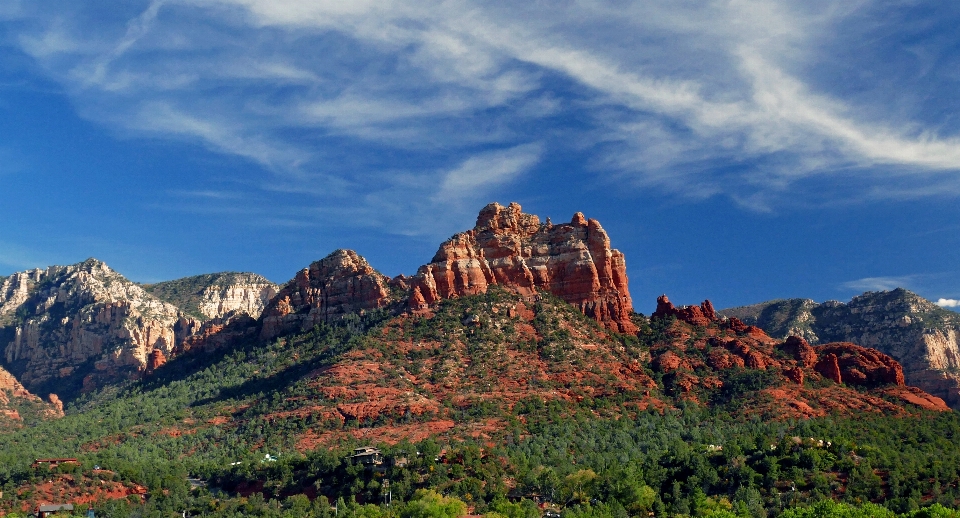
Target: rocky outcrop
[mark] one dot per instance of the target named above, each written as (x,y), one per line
(156,360)
(801,351)
(14,397)
(698,352)
(10,387)
(855,365)
(341,284)
(922,337)
(65,323)
(508,248)
(217,295)
(702,315)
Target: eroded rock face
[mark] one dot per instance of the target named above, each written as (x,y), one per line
(857,365)
(10,387)
(514,250)
(338,285)
(800,350)
(696,358)
(922,337)
(65,318)
(702,315)
(217,295)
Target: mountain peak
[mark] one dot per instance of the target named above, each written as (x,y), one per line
(514,250)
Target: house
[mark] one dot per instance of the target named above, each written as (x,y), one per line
(367,456)
(50,509)
(52,463)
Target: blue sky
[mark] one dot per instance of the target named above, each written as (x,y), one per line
(736,150)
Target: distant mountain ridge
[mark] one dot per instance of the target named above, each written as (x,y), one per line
(922,336)
(65,329)
(215,295)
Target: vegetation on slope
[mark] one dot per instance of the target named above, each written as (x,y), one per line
(507,405)
(186,293)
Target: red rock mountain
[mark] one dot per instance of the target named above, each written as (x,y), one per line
(338,285)
(508,248)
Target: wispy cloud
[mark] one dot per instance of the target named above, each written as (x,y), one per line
(477,175)
(698,100)
(879,283)
(948,303)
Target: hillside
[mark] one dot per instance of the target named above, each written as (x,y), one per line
(503,384)
(216,295)
(509,372)
(70,328)
(923,337)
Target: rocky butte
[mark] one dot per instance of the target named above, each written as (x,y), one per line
(506,248)
(338,285)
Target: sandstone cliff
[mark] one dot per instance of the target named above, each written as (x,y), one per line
(217,295)
(341,284)
(923,337)
(67,323)
(508,248)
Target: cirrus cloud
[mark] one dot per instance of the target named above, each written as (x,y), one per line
(722,98)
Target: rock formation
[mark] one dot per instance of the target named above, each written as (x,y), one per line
(855,365)
(697,354)
(338,285)
(514,250)
(68,322)
(922,337)
(217,295)
(14,397)
(701,315)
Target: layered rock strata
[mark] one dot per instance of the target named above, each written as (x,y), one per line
(514,250)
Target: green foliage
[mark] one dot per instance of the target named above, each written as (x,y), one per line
(570,456)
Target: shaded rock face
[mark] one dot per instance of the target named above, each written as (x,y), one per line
(156,360)
(514,250)
(217,295)
(855,365)
(66,322)
(922,337)
(338,285)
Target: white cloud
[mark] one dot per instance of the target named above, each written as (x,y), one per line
(475,177)
(879,283)
(698,99)
(948,303)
